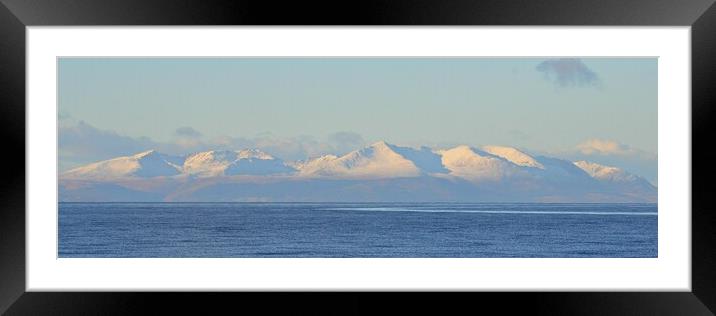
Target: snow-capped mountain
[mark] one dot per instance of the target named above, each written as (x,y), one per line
(376,161)
(617,179)
(514,155)
(378,172)
(477,165)
(144,165)
(605,173)
(228,163)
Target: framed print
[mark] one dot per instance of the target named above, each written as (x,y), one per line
(404,148)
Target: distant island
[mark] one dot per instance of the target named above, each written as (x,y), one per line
(381,172)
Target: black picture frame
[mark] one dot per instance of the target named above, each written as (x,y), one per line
(15,15)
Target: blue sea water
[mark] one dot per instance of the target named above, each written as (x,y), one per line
(363,230)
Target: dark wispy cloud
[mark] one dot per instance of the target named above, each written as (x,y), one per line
(568,72)
(82,143)
(187,131)
(187,137)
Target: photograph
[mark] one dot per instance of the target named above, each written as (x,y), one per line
(357,157)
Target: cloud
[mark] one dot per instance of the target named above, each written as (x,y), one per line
(346,138)
(292,148)
(568,72)
(606,147)
(343,142)
(187,137)
(81,143)
(187,131)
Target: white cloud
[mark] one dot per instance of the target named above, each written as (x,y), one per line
(606,147)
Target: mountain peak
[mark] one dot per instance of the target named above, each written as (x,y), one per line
(593,168)
(380,144)
(603,172)
(146,164)
(229,163)
(253,153)
(461,149)
(145,153)
(379,160)
(513,155)
(489,172)
(466,162)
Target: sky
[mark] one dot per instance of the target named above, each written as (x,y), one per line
(604,109)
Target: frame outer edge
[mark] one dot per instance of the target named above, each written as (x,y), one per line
(362,12)
(12,98)
(703,73)
(12,189)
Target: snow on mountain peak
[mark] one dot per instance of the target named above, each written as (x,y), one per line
(493,169)
(226,162)
(466,162)
(145,153)
(312,165)
(602,172)
(461,150)
(209,163)
(145,164)
(254,153)
(381,146)
(378,160)
(513,155)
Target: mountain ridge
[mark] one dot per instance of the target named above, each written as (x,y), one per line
(486,173)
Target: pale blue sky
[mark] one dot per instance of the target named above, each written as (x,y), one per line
(535,103)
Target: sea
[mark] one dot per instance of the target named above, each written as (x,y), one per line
(357,230)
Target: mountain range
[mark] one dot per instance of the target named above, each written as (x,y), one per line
(380,172)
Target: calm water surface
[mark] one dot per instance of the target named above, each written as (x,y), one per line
(323,230)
